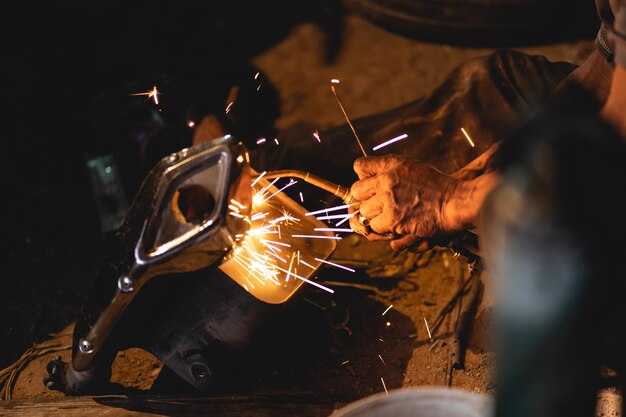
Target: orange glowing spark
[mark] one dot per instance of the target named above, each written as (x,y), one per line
(344,362)
(388,308)
(384,386)
(382,360)
(334,81)
(430,336)
(276,140)
(317,136)
(191,123)
(230,105)
(389,142)
(256,75)
(335,265)
(154,93)
(468,137)
(301,197)
(388,324)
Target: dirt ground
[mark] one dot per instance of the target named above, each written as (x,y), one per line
(385,343)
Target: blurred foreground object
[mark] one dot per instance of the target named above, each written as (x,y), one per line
(421,401)
(552,238)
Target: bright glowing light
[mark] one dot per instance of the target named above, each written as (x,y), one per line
(326,210)
(260,141)
(390,141)
(152,94)
(316,135)
(335,216)
(259,178)
(334,229)
(388,308)
(335,265)
(468,137)
(334,81)
(240,159)
(317,237)
(230,106)
(384,386)
(191,123)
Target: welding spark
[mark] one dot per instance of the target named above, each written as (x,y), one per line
(154,93)
(326,210)
(258,178)
(468,137)
(291,182)
(335,216)
(345,114)
(344,362)
(230,105)
(384,386)
(301,198)
(390,141)
(335,265)
(258,88)
(382,360)
(191,123)
(430,336)
(237,203)
(388,308)
(346,219)
(259,216)
(318,237)
(317,136)
(333,229)
(287,245)
(307,281)
(276,141)
(307,264)
(334,81)
(256,75)
(260,141)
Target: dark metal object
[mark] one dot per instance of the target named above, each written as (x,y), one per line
(464,325)
(161,235)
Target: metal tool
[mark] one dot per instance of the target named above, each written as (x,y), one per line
(464,243)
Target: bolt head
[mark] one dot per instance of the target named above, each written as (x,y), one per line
(125,284)
(85,346)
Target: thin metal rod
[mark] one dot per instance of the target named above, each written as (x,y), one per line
(338,190)
(332,87)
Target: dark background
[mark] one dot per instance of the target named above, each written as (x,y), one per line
(68,69)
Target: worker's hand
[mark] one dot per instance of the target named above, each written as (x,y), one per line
(404,200)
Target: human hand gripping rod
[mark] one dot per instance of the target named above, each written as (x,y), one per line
(463,243)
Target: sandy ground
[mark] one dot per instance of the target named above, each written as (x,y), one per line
(378,70)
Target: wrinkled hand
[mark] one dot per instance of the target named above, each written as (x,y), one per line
(403,198)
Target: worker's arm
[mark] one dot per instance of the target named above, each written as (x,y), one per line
(614,109)
(407,200)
